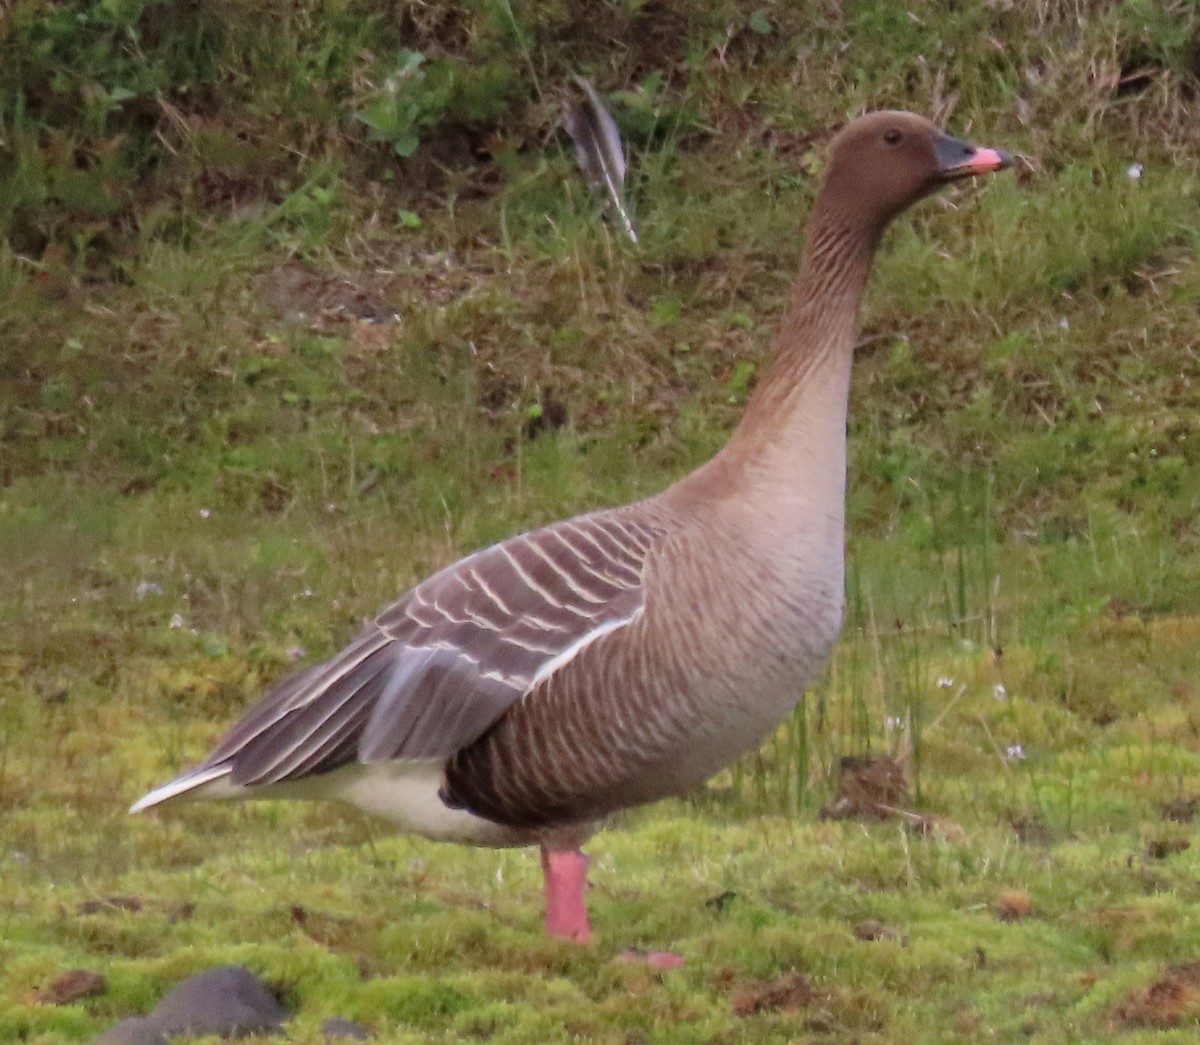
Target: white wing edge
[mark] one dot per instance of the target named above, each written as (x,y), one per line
(556,662)
(181,785)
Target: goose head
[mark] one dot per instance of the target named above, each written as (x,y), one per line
(883,162)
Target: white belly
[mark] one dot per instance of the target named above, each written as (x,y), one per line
(404,793)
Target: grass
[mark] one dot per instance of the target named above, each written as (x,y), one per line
(261,375)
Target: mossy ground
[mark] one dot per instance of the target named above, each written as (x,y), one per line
(250,404)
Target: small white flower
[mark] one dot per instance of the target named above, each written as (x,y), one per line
(999,692)
(894,722)
(1014,752)
(176,621)
(145,588)
(295,652)
(205,513)
(1064,323)
(1134,172)
(945,682)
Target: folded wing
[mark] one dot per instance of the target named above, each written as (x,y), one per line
(441,665)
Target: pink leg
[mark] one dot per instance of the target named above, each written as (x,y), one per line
(565,872)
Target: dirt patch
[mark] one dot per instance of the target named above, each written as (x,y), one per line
(1166,1003)
(296,291)
(873,929)
(1181,810)
(789,992)
(175,912)
(336,933)
(1032,830)
(868,789)
(329,930)
(1161,848)
(71,986)
(821,1010)
(930,825)
(1012,905)
(380,288)
(110,903)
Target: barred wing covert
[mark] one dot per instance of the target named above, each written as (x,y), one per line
(437,668)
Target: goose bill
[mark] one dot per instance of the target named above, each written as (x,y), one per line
(957,159)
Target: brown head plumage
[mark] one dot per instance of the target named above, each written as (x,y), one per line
(885,161)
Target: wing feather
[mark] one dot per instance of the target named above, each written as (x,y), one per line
(437,668)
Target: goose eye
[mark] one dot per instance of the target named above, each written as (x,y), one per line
(892,137)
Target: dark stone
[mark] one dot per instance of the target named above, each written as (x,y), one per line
(336,1027)
(228,1000)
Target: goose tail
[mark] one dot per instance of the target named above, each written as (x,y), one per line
(200,782)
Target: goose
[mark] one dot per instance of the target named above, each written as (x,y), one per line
(521,695)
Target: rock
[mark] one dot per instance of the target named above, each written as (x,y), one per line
(229,1001)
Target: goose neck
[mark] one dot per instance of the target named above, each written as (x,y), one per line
(807,380)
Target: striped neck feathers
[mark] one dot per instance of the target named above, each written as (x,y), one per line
(796,418)
(820,323)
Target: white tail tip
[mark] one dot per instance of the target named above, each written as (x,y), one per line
(192,780)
